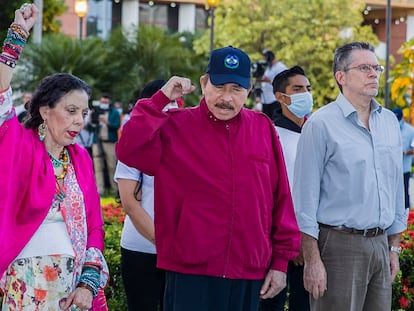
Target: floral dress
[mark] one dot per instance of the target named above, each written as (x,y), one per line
(41,282)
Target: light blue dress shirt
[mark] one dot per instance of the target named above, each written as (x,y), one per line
(348,175)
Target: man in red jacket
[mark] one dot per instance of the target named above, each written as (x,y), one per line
(225,227)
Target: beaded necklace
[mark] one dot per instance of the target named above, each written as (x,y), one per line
(62,162)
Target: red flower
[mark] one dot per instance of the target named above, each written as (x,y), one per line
(404,302)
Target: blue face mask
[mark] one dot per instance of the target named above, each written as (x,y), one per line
(300,104)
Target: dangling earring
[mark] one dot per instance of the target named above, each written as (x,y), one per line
(42,130)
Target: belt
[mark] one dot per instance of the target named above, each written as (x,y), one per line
(365,232)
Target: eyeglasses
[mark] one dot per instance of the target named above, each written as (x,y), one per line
(366,68)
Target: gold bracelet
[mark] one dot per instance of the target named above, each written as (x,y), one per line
(17,28)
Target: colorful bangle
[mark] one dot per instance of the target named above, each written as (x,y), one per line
(17,28)
(91,277)
(15,36)
(7,48)
(8,61)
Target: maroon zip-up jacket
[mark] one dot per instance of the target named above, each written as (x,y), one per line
(222,200)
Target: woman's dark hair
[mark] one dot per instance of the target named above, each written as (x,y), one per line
(49,91)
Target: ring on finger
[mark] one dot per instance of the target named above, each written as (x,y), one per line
(75,308)
(23,7)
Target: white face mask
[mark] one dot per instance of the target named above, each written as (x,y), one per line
(301,104)
(119,111)
(104,106)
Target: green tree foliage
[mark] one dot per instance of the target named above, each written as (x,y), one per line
(120,66)
(51,9)
(7,8)
(59,53)
(147,53)
(304,33)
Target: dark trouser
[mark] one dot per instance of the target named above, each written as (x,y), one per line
(358,272)
(406,190)
(276,303)
(298,296)
(144,283)
(185,292)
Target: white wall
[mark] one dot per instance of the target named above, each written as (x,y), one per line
(186,17)
(410,27)
(130,13)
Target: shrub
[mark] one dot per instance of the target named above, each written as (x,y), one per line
(403,287)
(114,217)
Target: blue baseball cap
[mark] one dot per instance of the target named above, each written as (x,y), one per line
(229,65)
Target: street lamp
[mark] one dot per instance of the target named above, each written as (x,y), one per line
(81,9)
(212,4)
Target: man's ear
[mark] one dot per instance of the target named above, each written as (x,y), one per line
(203,82)
(279,97)
(340,77)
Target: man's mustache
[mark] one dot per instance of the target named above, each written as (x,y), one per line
(224,106)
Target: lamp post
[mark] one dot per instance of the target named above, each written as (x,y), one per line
(81,9)
(212,4)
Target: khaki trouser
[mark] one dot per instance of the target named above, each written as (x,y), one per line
(109,154)
(358,271)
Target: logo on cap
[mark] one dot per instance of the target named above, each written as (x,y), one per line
(231,61)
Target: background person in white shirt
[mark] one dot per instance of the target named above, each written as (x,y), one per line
(143,282)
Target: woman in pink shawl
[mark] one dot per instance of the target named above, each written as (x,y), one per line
(51,226)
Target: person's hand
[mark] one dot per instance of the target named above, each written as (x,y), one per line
(80,299)
(176,87)
(274,282)
(314,278)
(394,264)
(26,16)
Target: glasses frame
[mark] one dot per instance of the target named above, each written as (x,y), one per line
(367,68)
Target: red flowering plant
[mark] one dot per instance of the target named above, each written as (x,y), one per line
(114,216)
(112,211)
(403,286)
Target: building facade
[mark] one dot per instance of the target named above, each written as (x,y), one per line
(192,15)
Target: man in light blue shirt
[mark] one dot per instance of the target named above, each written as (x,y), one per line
(407,136)
(348,191)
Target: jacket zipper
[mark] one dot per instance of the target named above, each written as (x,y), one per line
(227,258)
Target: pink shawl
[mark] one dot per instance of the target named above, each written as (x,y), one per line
(27,186)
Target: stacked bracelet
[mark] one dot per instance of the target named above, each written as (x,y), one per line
(7,61)
(17,28)
(90,279)
(13,44)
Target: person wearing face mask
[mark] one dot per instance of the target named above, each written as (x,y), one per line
(106,121)
(407,136)
(292,91)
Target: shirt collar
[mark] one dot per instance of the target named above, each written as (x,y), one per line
(347,109)
(281,121)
